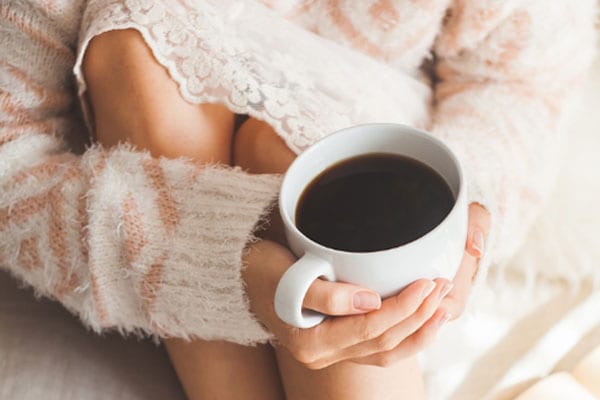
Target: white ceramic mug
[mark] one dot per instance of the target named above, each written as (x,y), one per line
(437,254)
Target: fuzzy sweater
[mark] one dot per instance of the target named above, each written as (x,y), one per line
(149,245)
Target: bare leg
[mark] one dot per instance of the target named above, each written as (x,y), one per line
(222,370)
(258,149)
(135,101)
(349,381)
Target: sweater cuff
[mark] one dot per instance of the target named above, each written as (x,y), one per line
(224,208)
(166,240)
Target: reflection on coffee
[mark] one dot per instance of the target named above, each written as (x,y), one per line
(373,202)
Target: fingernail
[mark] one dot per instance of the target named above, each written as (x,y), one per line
(365,300)
(427,290)
(446,289)
(444,318)
(477,243)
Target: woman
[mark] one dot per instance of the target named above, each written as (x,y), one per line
(164,239)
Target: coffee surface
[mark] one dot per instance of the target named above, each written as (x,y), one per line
(373,202)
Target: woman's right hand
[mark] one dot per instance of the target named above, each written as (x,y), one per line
(366,332)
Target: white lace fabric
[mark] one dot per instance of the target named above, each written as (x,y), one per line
(241,55)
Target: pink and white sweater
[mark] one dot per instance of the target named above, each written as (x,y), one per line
(149,245)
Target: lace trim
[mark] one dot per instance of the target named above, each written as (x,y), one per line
(257,63)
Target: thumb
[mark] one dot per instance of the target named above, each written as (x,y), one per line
(335,298)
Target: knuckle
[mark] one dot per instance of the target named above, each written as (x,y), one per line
(406,305)
(384,361)
(336,302)
(455,306)
(296,347)
(422,338)
(423,313)
(313,337)
(386,342)
(426,310)
(331,303)
(304,356)
(419,340)
(315,366)
(365,329)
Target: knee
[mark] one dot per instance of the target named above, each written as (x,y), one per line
(202,132)
(134,99)
(245,149)
(259,149)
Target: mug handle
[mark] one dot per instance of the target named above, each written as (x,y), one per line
(292,289)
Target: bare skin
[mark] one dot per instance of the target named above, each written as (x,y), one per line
(339,358)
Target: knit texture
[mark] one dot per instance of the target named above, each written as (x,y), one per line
(124,240)
(140,244)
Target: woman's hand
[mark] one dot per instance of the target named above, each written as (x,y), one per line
(402,326)
(479,226)
(395,328)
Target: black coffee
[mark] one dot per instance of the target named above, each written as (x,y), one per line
(373,202)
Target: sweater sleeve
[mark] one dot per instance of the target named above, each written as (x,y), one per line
(505,72)
(124,240)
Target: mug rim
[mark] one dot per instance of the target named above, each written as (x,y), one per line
(306,153)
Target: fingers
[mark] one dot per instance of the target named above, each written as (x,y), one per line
(455,301)
(322,345)
(398,333)
(334,298)
(479,226)
(411,345)
(343,332)
(392,337)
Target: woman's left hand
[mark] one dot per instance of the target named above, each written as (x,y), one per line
(478,228)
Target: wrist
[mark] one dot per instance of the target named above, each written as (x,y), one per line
(264,263)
